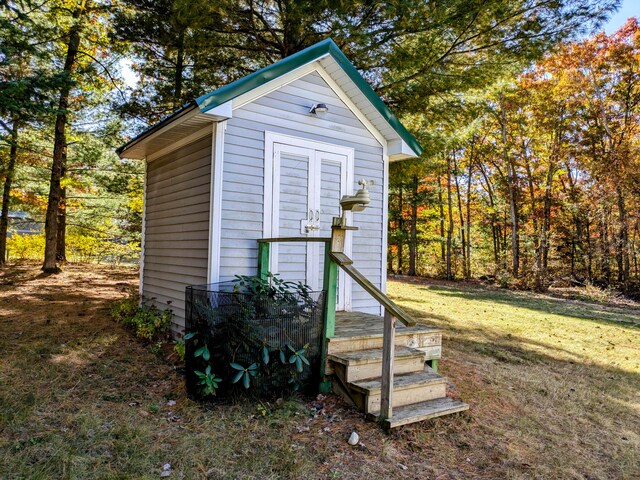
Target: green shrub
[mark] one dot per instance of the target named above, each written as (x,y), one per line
(238,347)
(80,248)
(147,321)
(180,348)
(26,247)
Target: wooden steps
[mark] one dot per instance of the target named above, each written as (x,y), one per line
(361,364)
(408,388)
(361,331)
(355,358)
(425,411)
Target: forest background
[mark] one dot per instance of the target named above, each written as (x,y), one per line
(529,115)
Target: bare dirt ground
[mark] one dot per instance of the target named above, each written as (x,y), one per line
(80,397)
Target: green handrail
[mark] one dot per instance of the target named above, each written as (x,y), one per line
(329,285)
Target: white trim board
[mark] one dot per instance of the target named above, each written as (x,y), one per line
(314,150)
(275,84)
(352,106)
(215,206)
(142,233)
(385,223)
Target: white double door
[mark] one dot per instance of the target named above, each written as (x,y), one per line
(307,180)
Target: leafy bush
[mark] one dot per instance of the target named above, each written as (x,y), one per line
(147,321)
(260,336)
(180,348)
(26,247)
(80,248)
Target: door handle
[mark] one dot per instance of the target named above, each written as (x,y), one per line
(317,215)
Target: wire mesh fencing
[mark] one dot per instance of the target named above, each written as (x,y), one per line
(246,340)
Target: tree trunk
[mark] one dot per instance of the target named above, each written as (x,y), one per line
(513,205)
(545,231)
(177,91)
(463,240)
(60,148)
(537,268)
(493,217)
(389,254)
(401,230)
(468,223)
(450,228)
(634,243)
(589,251)
(61,238)
(546,219)
(443,254)
(604,245)
(6,192)
(623,241)
(576,235)
(505,239)
(413,239)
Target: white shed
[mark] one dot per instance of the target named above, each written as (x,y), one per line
(266,156)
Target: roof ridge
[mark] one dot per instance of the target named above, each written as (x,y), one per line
(260,77)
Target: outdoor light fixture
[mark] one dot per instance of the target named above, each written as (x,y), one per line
(319,108)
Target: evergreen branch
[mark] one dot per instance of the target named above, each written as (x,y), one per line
(106,70)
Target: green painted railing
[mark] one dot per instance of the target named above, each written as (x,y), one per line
(330,286)
(334,257)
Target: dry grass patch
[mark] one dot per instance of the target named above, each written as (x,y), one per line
(554,385)
(81,398)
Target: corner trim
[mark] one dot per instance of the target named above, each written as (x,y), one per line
(385,221)
(142,233)
(215,205)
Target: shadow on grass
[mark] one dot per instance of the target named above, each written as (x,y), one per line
(551,306)
(505,347)
(512,387)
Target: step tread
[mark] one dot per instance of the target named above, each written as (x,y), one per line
(374,355)
(400,382)
(418,412)
(352,333)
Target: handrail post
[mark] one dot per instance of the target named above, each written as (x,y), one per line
(330,287)
(263,260)
(388,353)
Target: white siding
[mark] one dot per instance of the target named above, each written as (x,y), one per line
(177,225)
(286,111)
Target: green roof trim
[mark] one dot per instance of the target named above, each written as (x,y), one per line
(288,64)
(256,79)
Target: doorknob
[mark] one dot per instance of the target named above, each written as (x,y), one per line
(317,215)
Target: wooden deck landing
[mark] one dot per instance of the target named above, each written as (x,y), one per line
(359,324)
(355,358)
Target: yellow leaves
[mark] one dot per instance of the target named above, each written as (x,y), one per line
(26,247)
(80,247)
(135,204)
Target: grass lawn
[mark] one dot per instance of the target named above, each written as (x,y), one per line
(554,388)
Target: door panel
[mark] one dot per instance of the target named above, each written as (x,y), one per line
(332,170)
(294,194)
(307,185)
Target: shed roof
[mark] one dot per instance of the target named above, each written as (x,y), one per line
(217,105)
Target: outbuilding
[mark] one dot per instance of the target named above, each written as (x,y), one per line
(269,155)
(240,181)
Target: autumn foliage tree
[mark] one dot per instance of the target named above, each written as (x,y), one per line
(552,169)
